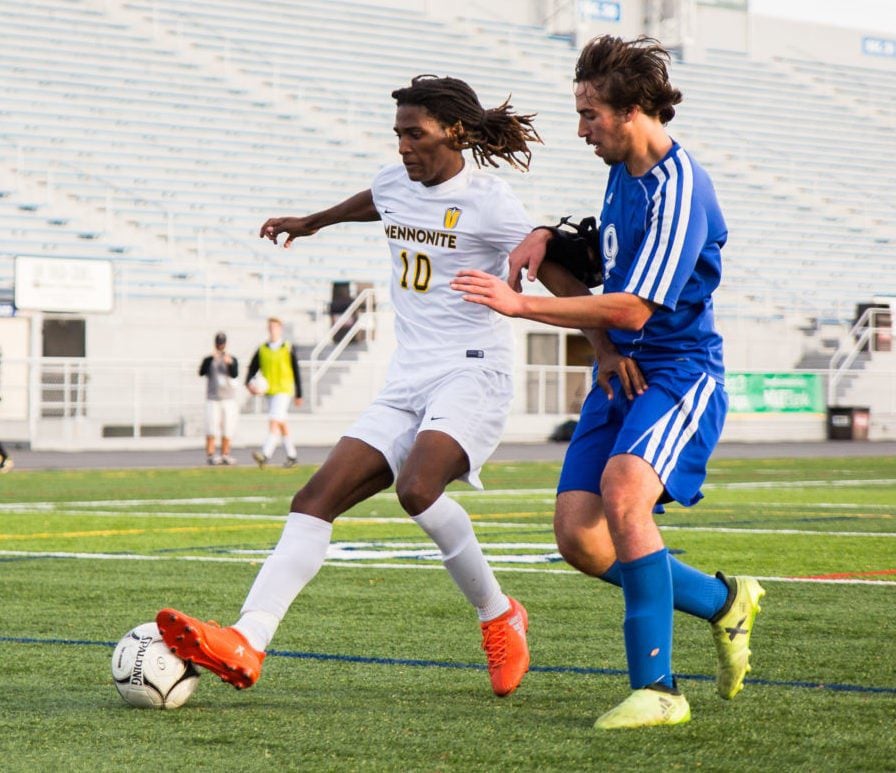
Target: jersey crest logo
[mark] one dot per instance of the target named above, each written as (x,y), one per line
(452,215)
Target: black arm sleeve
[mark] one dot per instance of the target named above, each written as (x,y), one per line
(253,367)
(294,361)
(233,368)
(206,366)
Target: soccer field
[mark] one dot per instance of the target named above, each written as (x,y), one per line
(378,666)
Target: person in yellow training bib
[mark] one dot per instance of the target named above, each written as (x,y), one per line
(274,372)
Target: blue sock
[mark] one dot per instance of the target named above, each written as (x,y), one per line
(699,594)
(647,587)
(613,575)
(695,592)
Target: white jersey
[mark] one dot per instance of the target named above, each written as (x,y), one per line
(472,220)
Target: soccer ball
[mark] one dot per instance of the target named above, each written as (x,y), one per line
(258,384)
(148,674)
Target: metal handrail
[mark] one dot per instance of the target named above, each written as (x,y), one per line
(363,323)
(859,339)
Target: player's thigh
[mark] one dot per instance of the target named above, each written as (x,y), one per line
(470,406)
(591,445)
(434,461)
(674,427)
(389,427)
(352,472)
(629,485)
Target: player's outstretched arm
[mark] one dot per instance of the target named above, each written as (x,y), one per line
(620,311)
(355,209)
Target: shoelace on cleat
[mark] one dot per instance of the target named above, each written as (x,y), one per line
(494,643)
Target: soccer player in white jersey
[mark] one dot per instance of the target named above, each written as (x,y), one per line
(448,390)
(649,426)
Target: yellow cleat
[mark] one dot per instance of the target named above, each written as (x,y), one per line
(731,634)
(646,707)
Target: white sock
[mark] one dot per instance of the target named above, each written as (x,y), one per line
(448,524)
(270,445)
(298,556)
(289,447)
(258,627)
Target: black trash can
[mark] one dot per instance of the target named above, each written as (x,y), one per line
(848,422)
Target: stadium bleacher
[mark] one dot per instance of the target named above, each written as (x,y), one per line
(181,128)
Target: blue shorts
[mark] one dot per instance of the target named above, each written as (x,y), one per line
(674,426)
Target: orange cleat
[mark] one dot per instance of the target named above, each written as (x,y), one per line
(223,651)
(504,642)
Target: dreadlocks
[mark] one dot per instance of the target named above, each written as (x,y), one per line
(489,134)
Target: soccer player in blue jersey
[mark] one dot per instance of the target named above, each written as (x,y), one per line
(648,427)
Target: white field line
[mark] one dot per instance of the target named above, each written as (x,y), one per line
(402,519)
(390,495)
(805,532)
(801,484)
(832,506)
(133,502)
(184,516)
(522,570)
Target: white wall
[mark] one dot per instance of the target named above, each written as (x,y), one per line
(716,27)
(771,37)
(14,349)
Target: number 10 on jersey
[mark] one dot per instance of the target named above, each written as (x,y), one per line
(422,271)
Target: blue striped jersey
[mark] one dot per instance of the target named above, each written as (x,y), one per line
(661,239)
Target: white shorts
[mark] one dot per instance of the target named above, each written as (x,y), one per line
(220,418)
(470,405)
(278,406)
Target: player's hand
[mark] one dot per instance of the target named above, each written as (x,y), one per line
(630,376)
(528,254)
(297,401)
(293,227)
(488,290)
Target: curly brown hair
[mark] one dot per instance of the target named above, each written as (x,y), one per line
(494,133)
(628,73)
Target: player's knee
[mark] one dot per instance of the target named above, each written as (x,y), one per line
(415,494)
(618,500)
(569,546)
(313,499)
(587,555)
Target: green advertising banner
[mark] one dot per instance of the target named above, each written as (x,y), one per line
(775,393)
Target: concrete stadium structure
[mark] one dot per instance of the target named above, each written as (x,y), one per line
(152,137)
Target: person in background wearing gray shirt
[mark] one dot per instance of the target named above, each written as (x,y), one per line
(220,369)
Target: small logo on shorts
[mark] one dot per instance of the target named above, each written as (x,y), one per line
(477,353)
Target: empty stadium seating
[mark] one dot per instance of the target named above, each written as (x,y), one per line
(161,134)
